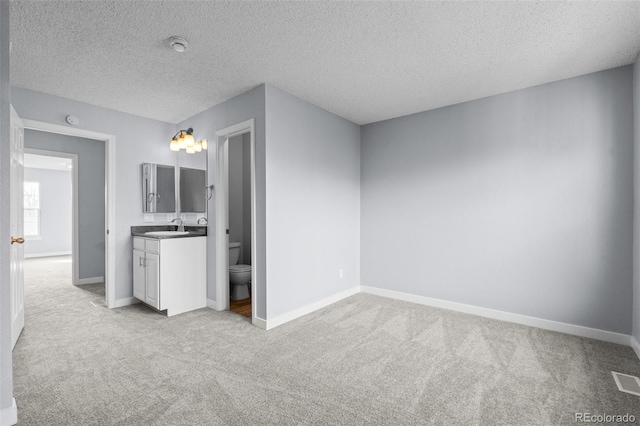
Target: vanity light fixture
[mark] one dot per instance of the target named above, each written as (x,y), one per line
(184,140)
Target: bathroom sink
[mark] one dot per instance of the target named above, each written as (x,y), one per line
(166,233)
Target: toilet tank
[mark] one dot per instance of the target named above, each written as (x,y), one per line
(234,253)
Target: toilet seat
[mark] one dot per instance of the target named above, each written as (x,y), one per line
(239,268)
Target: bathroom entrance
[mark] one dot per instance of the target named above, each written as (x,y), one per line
(239,208)
(235,219)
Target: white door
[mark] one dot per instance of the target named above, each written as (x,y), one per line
(17,218)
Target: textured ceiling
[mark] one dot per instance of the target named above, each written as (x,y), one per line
(364,61)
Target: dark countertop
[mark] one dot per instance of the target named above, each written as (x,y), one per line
(194,231)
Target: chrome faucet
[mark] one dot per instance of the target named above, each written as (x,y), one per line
(180,224)
(202,218)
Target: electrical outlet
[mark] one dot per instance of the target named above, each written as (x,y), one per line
(148,218)
(183,217)
(341,273)
(169,217)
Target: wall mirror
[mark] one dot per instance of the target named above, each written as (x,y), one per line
(192,182)
(158,188)
(193,194)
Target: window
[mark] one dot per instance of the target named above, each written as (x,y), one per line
(31,209)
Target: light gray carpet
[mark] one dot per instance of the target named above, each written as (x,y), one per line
(364,360)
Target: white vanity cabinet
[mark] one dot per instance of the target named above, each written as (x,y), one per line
(146,277)
(170,274)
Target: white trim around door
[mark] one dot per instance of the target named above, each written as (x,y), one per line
(221,186)
(110,207)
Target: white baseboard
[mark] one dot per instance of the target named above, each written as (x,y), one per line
(635,346)
(259,322)
(304,310)
(9,416)
(126,302)
(576,330)
(92,280)
(53,253)
(211,304)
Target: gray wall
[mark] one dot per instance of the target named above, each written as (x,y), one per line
(91,194)
(313,203)
(240,195)
(520,202)
(235,190)
(55,212)
(243,107)
(138,140)
(246,199)
(636,198)
(6,373)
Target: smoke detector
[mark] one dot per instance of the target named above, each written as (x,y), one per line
(179,44)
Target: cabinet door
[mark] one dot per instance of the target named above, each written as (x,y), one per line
(153,280)
(139,275)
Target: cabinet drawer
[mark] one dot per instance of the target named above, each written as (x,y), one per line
(138,244)
(152,246)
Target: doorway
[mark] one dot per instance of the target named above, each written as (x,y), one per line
(238,133)
(89,215)
(239,214)
(108,191)
(51,206)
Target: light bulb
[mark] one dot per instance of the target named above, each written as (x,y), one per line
(189,139)
(182,142)
(174,146)
(198,146)
(191,149)
(205,144)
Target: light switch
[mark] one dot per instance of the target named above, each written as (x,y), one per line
(148,218)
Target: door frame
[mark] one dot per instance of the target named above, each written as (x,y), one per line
(75,244)
(110,204)
(221,186)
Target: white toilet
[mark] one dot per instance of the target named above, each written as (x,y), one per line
(239,275)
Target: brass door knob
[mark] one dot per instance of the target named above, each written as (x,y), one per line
(18,240)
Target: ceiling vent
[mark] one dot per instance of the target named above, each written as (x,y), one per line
(179,44)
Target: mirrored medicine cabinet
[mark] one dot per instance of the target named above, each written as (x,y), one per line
(158,188)
(179,188)
(193,194)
